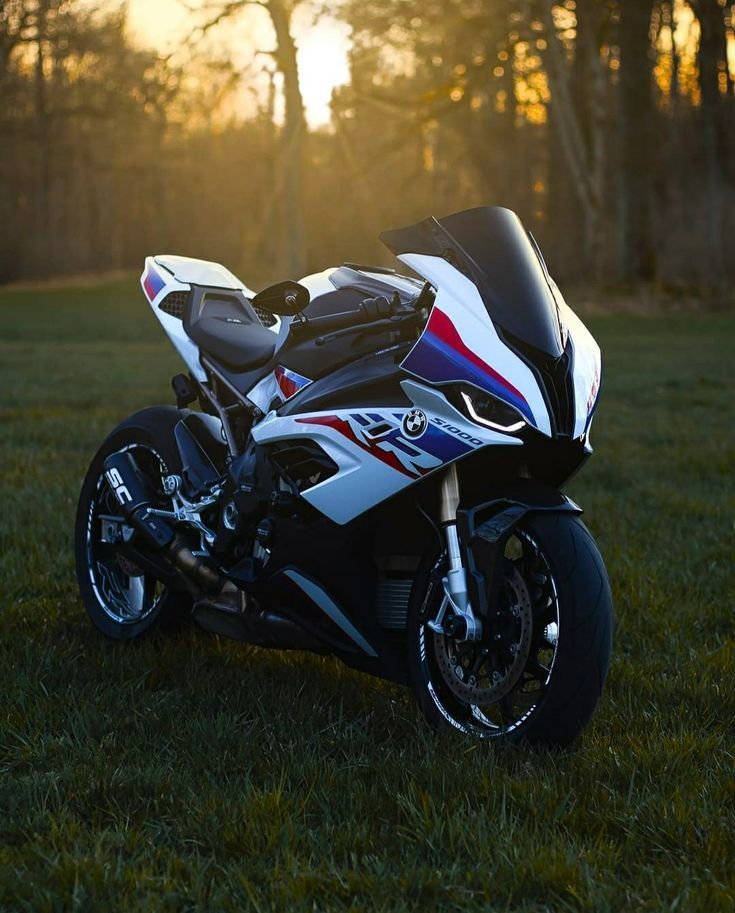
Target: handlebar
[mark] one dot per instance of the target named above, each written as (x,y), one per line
(368,311)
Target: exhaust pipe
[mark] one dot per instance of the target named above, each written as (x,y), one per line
(223,610)
(260,627)
(135,496)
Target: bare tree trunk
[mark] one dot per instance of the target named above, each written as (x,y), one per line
(715,130)
(583,144)
(269,244)
(714,82)
(41,201)
(636,255)
(293,140)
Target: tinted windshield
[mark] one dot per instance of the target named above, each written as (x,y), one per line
(491,247)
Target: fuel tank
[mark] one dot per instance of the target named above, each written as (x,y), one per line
(372,380)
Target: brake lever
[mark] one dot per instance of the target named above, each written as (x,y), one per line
(393,320)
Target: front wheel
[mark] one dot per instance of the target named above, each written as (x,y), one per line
(538,672)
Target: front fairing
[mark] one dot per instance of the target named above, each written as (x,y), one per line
(490,246)
(499,322)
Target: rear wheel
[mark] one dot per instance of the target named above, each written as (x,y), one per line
(539,670)
(124,595)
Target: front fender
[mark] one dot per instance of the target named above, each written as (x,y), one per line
(485,527)
(526,494)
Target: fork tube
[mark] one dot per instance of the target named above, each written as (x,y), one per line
(449,495)
(448,516)
(455,583)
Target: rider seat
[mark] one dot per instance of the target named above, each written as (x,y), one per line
(224,325)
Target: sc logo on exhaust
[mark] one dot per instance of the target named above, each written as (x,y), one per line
(117,485)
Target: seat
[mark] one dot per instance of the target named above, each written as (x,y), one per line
(224,325)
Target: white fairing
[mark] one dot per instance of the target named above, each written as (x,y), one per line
(586,367)
(157,283)
(459,298)
(318,283)
(375,452)
(375,456)
(201,272)
(264,392)
(321,283)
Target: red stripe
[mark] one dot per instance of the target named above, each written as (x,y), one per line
(147,285)
(287,386)
(331,421)
(442,326)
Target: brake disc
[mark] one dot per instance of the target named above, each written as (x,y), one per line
(472,671)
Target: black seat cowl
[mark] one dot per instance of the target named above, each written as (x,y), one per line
(223,323)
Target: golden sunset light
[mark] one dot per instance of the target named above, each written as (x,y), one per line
(322,48)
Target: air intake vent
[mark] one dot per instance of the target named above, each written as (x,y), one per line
(392,602)
(175,304)
(267,319)
(302,462)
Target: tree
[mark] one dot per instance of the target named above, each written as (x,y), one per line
(636,252)
(291,159)
(578,115)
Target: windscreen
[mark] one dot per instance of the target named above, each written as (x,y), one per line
(491,247)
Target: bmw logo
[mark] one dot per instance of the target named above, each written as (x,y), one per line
(414,423)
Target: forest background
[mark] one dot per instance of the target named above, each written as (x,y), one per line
(281,137)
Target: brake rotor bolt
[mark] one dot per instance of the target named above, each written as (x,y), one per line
(514,649)
(498,637)
(472,680)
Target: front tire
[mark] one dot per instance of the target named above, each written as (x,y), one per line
(540,669)
(122,599)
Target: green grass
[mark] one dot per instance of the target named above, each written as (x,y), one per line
(196,774)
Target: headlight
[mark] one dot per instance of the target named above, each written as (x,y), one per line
(491,412)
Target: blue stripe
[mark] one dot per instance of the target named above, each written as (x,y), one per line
(156,281)
(434,360)
(446,447)
(298,379)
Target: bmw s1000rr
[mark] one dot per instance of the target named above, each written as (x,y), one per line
(374,472)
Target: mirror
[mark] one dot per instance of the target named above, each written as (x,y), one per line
(285,298)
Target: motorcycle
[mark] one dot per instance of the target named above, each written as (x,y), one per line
(373,472)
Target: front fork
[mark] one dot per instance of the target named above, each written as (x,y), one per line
(462,623)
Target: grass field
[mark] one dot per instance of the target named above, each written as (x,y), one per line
(195,774)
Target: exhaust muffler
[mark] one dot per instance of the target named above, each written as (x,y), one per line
(223,609)
(135,495)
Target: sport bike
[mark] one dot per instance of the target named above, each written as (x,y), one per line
(373,472)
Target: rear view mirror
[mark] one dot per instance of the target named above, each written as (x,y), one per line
(285,298)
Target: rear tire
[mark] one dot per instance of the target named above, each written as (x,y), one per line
(121,600)
(558,684)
